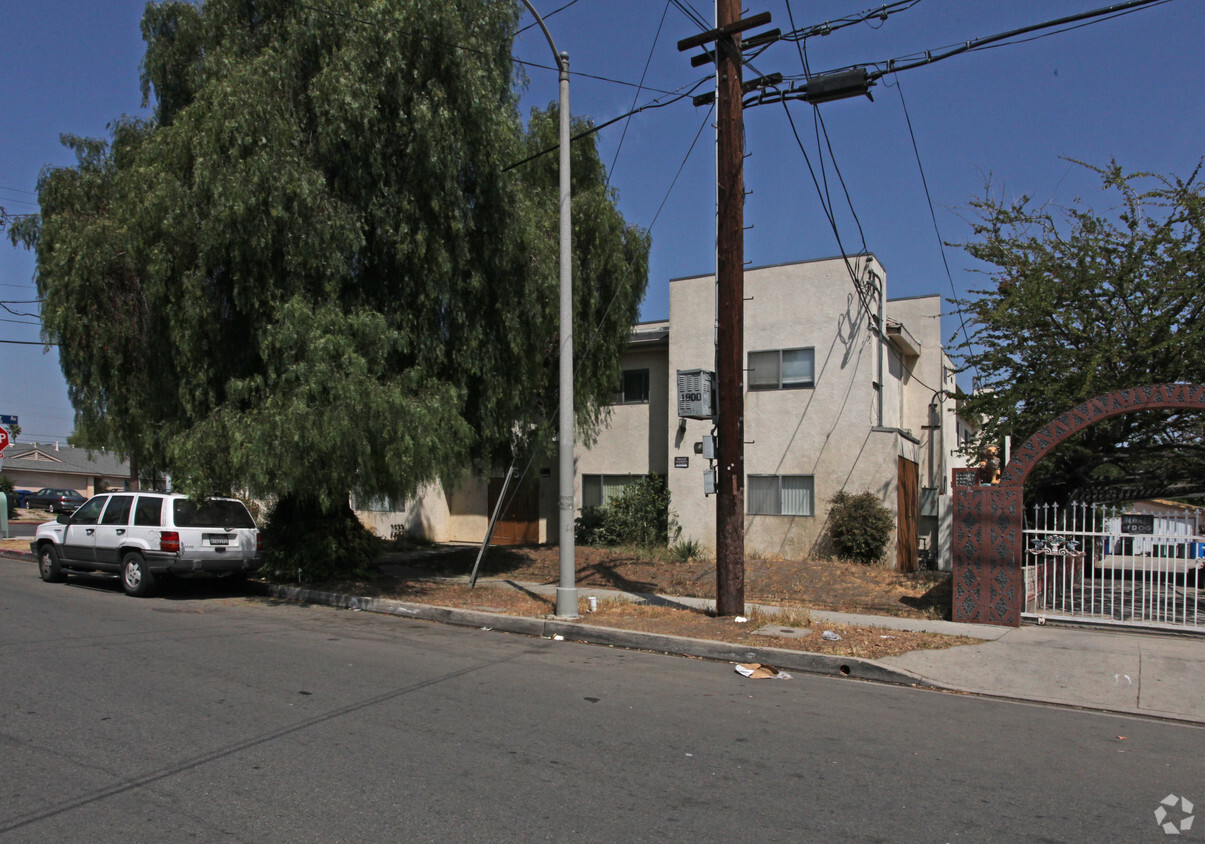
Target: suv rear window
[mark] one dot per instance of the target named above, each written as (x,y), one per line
(148,512)
(211,514)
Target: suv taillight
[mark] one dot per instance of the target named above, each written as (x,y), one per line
(169,540)
(259,542)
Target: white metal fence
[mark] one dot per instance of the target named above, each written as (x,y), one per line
(1095,563)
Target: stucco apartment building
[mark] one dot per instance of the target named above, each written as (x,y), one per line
(831,403)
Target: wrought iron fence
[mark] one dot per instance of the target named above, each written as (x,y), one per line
(1086,562)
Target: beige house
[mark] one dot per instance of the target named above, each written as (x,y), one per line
(831,403)
(34,466)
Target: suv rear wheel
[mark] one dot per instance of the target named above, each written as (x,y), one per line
(48,564)
(136,578)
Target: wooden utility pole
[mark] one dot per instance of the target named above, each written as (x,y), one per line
(730,329)
(730,292)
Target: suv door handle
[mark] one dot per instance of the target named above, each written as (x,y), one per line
(121,531)
(90,531)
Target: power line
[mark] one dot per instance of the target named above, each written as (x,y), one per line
(643,73)
(647,106)
(19,313)
(873,71)
(828,213)
(334,13)
(829,27)
(692,15)
(682,166)
(933,214)
(546,16)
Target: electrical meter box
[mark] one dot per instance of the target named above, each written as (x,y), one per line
(696,391)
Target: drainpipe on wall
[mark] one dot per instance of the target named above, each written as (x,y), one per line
(878,282)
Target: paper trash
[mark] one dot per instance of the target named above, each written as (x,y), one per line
(757,671)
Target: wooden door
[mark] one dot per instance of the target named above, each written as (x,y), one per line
(908,510)
(519,521)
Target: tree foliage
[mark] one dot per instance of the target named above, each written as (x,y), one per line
(1081,303)
(312,272)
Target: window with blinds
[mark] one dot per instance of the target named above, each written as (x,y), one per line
(599,490)
(780,495)
(782,369)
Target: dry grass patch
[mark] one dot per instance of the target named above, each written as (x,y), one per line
(820,584)
(866,642)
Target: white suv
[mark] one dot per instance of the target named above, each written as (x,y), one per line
(143,534)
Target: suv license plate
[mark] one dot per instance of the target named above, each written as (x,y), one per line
(217,539)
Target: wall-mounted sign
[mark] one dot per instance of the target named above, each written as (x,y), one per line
(681,462)
(1137,523)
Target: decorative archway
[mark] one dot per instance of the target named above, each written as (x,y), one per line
(988,520)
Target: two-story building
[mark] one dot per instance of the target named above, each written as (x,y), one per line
(845,389)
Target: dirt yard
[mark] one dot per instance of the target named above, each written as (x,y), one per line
(816,584)
(798,586)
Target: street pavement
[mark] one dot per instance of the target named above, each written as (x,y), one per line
(1123,671)
(1138,673)
(199,716)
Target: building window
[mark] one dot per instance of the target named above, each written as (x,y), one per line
(780,495)
(782,369)
(599,490)
(928,501)
(633,387)
(378,504)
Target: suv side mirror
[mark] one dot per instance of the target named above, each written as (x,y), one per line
(64,518)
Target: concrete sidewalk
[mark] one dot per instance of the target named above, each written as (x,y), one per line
(1118,671)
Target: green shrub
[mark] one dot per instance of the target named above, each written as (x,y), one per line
(685,551)
(859,527)
(639,516)
(590,528)
(304,543)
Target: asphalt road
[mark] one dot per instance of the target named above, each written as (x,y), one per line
(201,716)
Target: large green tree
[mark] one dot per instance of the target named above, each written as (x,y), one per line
(1080,303)
(313,271)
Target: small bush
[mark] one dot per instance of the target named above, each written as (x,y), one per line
(638,516)
(859,527)
(591,528)
(685,551)
(304,543)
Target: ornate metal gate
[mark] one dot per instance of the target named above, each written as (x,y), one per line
(1096,563)
(989,520)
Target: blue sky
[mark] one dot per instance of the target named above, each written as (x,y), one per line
(1124,89)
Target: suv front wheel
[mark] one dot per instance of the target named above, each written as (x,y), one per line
(136,578)
(48,564)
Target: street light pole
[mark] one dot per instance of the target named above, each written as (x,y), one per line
(566,591)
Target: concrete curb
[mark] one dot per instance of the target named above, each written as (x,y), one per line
(786,660)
